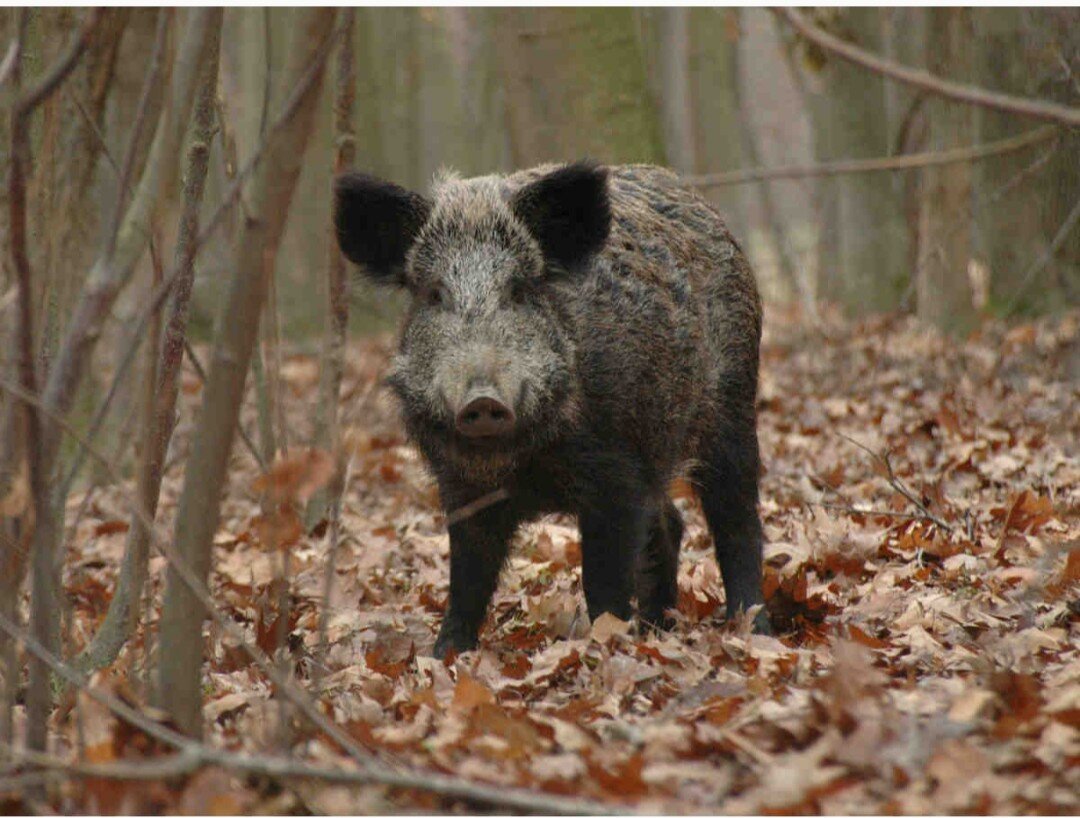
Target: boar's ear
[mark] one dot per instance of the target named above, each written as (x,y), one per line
(376,223)
(568,212)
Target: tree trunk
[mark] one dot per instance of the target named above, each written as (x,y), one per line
(335,329)
(271,188)
(1028,52)
(850,118)
(576,86)
(944,296)
(674,89)
(713,66)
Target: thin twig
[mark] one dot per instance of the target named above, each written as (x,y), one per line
(911,161)
(10,59)
(466,511)
(95,131)
(1037,266)
(898,484)
(960,92)
(328,413)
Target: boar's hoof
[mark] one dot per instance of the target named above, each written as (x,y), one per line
(761,623)
(451,639)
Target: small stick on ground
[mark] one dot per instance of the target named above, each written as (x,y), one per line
(869,512)
(898,484)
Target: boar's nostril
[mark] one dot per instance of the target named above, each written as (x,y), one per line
(485,417)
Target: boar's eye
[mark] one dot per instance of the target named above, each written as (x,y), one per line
(435,295)
(519,292)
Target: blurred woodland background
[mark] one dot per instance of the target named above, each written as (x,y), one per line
(168,176)
(704,91)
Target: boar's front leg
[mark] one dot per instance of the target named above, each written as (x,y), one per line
(478,548)
(613,532)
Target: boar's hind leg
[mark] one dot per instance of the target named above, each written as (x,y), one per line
(728,488)
(478,548)
(659,566)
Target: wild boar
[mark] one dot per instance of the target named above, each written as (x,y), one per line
(577,337)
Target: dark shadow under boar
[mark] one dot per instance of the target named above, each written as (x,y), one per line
(577,336)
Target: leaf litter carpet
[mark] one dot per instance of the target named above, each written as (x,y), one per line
(920,501)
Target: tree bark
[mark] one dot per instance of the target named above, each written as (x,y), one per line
(944,296)
(271,187)
(869,270)
(576,86)
(675,88)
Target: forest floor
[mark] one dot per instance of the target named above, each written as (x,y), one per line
(921,501)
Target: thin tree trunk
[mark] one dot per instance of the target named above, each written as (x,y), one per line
(44,598)
(773,221)
(125,606)
(327,427)
(868,270)
(944,296)
(19,157)
(110,273)
(272,184)
(715,106)
(676,108)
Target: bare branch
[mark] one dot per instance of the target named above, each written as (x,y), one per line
(43,596)
(960,92)
(61,68)
(911,161)
(278,767)
(869,512)
(327,419)
(150,83)
(466,511)
(10,59)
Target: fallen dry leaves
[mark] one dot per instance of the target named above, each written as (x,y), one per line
(916,668)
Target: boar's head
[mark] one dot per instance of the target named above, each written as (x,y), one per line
(485,368)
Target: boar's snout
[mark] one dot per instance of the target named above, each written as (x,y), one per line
(483,414)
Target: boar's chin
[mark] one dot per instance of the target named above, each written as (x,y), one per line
(483,465)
